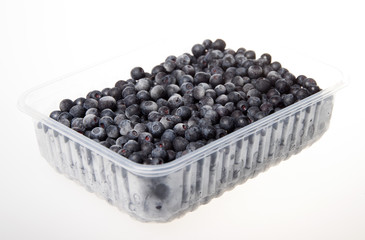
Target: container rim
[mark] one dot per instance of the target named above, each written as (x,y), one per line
(189,158)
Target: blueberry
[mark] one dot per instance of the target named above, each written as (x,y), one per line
(167,122)
(112,131)
(90,121)
(153,161)
(94,94)
(184,112)
(242,105)
(148,106)
(175,101)
(140,127)
(132,146)
(182,60)
(98,133)
(120,83)
(254,71)
(207,43)
(171,155)
(267,107)
(226,123)
(90,103)
(77,111)
(241,121)
(179,144)
(128,91)
(313,89)
(145,137)
(168,135)
(276,65)
(219,44)
(107,102)
(171,89)
(143,95)
(273,76)
(65,122)
(105,92)
(201,77)
(159,153)
(188,69)
(263,85)
(302,93)
(212,115)
(228,61)
(208,132)
(193,134)
(288,99)
(116,93)
(124,152)
(300,79)
(137,73)
(259,115)
(169,65)
(154,116)
(157,92)
(254,101)
(136,157)
(132,110)
(55,115)
(282,86)
(230,107)
(220,133)
(105,121)
(180,129)
(222,99)
(66,105)
(146,148)
(272,92)
(164,110)
(79,101)
(211,93)
(129,100)
(275,100)
(66,115)
(198,50)
(93,111)
(157,69)
(156,128)
(249,54)
(115,148)
(125,126)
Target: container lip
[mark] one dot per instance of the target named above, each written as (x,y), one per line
(164,169)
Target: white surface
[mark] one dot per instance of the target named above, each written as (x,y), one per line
(318,194)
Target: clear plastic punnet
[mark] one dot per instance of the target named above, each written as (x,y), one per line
(164,192)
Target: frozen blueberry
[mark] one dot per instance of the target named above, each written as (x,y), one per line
(112,131)
(148,106)
(226,123)
(137,73)
(132,110)
(143,95)
(282,86)
(288,99)
(208,132)
(90,121)
(167,122)
(65,122)
(66,115)
(241,121)
(79,101)
(180,129)
(90,103)
(175,101)
(77,111)
(115,148)
(193,134)
(94,94)
(107,102)
(157,92)
(125,126)
(302,93)
(156,128)
(132,146)
(55,115)
(66,105)
(179,144)
(98,133)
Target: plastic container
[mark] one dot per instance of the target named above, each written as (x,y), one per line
(162,193)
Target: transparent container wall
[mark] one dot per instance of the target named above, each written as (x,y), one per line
(163,198)
(162,193)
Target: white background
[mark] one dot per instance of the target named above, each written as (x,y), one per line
(318,194)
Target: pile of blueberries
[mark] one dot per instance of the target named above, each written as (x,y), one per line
(185,102)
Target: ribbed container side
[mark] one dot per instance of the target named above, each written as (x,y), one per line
(163,198)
